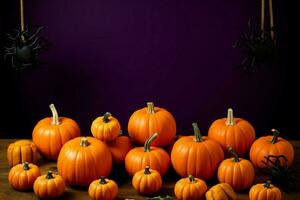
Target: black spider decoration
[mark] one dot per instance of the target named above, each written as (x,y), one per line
(24,49)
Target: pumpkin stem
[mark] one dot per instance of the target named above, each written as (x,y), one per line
(198,136)
(148,142)
(49,175)
(147,170)
(232,151)
(55,119)
(106,117)
(230,119)
(151,108)
(275,135)
(267,184)
(192,179)
(102,180)
(26,166)
(84,142)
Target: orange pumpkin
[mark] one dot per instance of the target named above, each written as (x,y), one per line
(146,121)
(103,189)
(84,159)
(147,181)
(154,157)
(235,132)
(106,128)
(51,133)
(190,188)
(221,191)
(196,155)
(271,145)
(50,186)
(22,151)
(264,191)
(170,146)
(22,176)
(119,148)
(237,172)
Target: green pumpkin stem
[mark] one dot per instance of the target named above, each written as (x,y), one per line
(275,136)
(55,118)
(235,156)
(106,117)
(230,119)
(267,184)
(26,166)
(192,179)
(151,108)
(84,142)
(102,180)
(148,142)
(198,136)
(147,170)
(49,175)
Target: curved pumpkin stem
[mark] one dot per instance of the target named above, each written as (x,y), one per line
(102,180)
(55,119)
(150,108)
(198,136)
(235,156)
(49,175)
(148,142)
(192,179)
(26,166)
(275,135)
(267,184)
(84,142)
(106,117)
(147,170)
(230,119)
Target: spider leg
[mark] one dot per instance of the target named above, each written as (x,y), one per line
(37,32)
(35,41)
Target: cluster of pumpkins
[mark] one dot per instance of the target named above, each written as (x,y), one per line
(87,161)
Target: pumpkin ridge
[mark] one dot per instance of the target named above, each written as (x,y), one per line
(209,156)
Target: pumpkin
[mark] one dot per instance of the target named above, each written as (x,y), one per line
(119,148)
(221,191)
(106,128)
(51,133)
(170,146)
(154,157)
(22,176)
(190,188)
(196,155)
(103,189)
(21,151)
(49,186)
(84,159)
(147,181)
(271,145)
(235,132)
(146,121)
(264,191)
(237,172)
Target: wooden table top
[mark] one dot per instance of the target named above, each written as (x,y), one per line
(119,175)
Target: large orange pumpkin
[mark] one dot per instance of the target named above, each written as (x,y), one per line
(119,148)
(51,133)
(154,157)
(146,121)
(196,155)
(271,145)
(264,191)
(84,159)
(103,189)
(235,132)
(190,188)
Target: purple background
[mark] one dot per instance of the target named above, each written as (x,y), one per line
(115,55)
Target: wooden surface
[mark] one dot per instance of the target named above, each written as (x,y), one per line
(118,174)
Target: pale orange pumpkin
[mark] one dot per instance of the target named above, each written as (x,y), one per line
(119,148)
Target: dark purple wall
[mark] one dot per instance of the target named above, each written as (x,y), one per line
(116,55)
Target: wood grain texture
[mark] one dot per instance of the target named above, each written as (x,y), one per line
(118,174)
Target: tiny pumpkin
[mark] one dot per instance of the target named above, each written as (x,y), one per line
(221,191)
(119,148)
(237,172)
(154,157)
(51,133)
(271,145)
(146,121)
(49,186)
(103,189)
(147,181)
(264,191)
(22,176)
(106,128)
(22,151)
(190,188)
(235,132)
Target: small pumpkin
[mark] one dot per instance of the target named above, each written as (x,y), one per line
(271,145)
(235,132)
(22,151)
(196,155)
(106,128)
(103,189)
(221,191)
(147,181)
(49,186)
(154,157)
(237,172)
(264,191)
(51,133)
(190,188)
(119,148)
(84,159)
(22,176)
(146,121)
